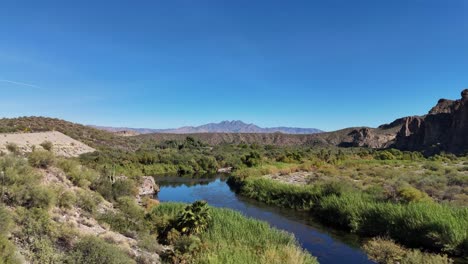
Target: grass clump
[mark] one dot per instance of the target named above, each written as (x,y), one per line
(234,238)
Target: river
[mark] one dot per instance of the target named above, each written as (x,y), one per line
(328,245)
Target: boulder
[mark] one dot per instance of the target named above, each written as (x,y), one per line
(147,186)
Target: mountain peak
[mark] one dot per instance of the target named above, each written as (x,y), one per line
(228,126)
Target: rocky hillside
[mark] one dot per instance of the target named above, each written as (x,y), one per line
(444,128)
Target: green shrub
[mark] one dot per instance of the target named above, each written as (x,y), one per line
(47,145)
(93,250)
(252,159)
(12,148)
(8,253)
(78,174)
(194,219)
(384,251)
(128,220)
(66,199)
(41,159)
(88,201)
(411,194)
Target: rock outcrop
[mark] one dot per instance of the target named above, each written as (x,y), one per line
(147,186)
(444,128)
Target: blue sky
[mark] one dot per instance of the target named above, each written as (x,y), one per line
(325,64)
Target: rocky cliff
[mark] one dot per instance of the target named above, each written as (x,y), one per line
(444,128)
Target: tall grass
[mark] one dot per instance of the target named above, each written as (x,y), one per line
(234,238)
(427,225)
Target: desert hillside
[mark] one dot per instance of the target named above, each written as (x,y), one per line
(60,144)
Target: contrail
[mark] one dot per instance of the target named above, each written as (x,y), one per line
(19,83)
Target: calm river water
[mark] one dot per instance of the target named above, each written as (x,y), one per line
(328,245)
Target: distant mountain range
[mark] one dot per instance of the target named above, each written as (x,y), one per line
(236,126)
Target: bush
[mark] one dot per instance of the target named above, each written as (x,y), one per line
(386,251)
(7,249)
(47,145)
(93,250)
(8,254)
(410,194)
(12,147)
(88,201)
(194,219)
(253,159)
(41,159)
(128,220)
(66,199)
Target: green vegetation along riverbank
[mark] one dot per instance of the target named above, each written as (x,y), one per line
(233,238)
(56,210)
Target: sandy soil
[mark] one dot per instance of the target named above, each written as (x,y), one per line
(301,177)
(62,145)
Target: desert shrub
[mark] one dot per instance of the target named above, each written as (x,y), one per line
(38,235)
(6,221)
(44,251)
(129,219)
(8,253)
(66,199)
(12,148)
(185,247)
(111,191)
(411,194)
(93,250)
(41,159)
(252,159)
(78,174)
(88,201)
(384,155)
(40,197)
(47,145)
(124,187)
(7,249)
(386,251)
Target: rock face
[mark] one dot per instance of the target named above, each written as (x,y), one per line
(148,186)
(368,137)
(444,128)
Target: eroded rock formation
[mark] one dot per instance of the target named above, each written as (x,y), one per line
(444,128)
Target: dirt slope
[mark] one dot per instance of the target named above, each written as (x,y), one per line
(62,145)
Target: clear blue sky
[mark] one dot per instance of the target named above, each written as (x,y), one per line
(326,64)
